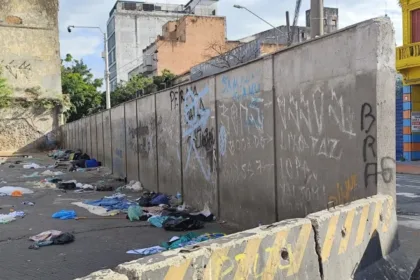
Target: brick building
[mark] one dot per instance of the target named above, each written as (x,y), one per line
(187,42)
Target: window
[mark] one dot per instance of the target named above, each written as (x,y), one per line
(148,7)
(415,26)
(131,6)
(111,42)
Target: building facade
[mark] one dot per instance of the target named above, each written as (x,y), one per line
(30,62)
(408,64)
(330,19)
(184,43)
(132,26)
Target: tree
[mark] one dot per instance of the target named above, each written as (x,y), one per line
(5,92)
(140,85)
(226,55)
(81,88)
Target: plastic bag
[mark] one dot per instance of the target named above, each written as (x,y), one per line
(134,213)
(64,215)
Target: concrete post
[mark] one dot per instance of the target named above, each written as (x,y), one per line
(317,18)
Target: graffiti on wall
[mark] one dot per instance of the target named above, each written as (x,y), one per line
(311,127)
(16,69)
(198,134)
(242,127)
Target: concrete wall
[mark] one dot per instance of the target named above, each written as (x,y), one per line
(287,135)
(30,59)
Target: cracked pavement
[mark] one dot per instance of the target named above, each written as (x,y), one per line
(100,242)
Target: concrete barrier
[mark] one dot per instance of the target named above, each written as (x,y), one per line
(355,241)
(353,237)
(278,251)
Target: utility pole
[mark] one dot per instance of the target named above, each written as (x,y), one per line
(107,86)
(317,18)
(289,36)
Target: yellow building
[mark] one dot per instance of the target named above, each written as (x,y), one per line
(408,64)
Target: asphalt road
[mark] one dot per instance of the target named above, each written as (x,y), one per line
(408,211)
(100,243)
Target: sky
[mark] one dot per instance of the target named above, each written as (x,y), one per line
(88,44)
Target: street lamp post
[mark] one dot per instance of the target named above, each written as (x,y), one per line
(251,12)
(105,56)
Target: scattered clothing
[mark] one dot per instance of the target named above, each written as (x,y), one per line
(45,236)
(61,239)
(28,203)
(154,210)
(147,251)
(104,188)
(7,218)
(35,174)
(116,196)
(90,163)
(177,242)
(97,210)
(67,185)
(182,224)
(65,215)
(134,186)
(9,190)
(111,204)
(160,199)
(158,221)
(134,213)
(32,166)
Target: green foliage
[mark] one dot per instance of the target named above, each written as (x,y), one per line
(5,92)
(140,85)
(81,89)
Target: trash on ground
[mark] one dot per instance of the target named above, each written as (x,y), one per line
(32,166)
(177,242)
(65,215)
(149,199)
(7,218)
(17,194)
(97,210)
(69,185)
(35,174)
(134,213)
(8,190)
(51,173)
(147,251)
(158,221)
(116,195)
(45,236)
(134,186)
(28,203)
(182,224)
(61,239)
(111,204)
(44,184)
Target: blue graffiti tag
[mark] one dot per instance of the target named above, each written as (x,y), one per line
(222,140)
(195,117)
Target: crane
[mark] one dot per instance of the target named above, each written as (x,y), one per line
(295,21)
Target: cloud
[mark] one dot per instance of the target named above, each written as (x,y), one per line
(80,46)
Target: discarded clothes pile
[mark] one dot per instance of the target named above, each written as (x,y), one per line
(177,242)
(51,237)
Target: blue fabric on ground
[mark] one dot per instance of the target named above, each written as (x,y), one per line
(111,203)
(64,215)
(158,221)
(147,251)
(160,199)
